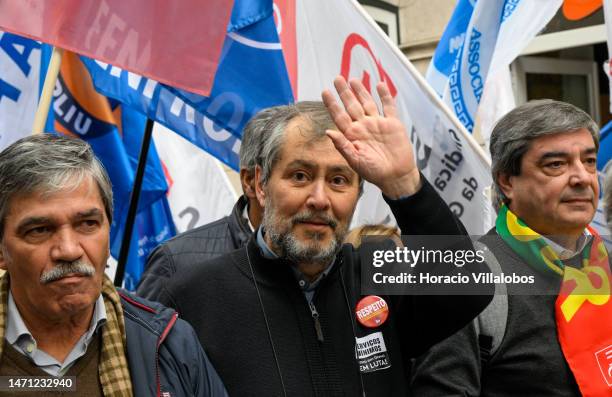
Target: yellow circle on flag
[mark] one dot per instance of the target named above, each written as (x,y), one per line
(521,233)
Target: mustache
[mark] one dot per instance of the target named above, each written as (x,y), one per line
(311,216)
(587,195)
(63,269)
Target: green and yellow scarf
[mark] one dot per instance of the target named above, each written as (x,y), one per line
(583,309)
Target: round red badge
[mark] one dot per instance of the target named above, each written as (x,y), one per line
(372,311)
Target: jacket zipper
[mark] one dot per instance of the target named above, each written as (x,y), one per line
(317,323)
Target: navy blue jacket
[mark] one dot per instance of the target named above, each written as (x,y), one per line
(194,246)
(164,354)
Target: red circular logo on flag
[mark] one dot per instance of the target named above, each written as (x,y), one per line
(372,311)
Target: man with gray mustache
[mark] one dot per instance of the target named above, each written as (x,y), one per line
(60,315)
(64,269)
(279,317)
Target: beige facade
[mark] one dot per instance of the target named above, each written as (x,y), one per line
(422,23)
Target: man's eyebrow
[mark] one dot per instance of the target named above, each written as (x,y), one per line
(311,165)
(32,221)
(560,153)
(556,154)
(43,220)
(342,169)
(88,213)
(301,163)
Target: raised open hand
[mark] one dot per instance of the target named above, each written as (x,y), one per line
(376,146)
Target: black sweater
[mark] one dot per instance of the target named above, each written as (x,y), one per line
(529,360)
(220,300)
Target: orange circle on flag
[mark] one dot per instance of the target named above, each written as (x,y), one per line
(372,311)
(578,9)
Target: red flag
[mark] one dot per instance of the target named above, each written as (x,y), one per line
(284,17)
(584,321)
(174,42)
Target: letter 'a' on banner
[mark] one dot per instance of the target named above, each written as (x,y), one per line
(174,42)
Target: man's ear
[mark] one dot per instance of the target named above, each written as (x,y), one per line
(259,190)
(247,180)
(505,184)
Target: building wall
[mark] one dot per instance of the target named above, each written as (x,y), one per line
(422,23)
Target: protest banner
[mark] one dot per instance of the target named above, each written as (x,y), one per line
(143,36)
(479,86)
(19,81)
(243,85)
(355,47)
(199,190)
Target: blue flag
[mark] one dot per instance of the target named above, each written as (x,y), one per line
(449,45)
(605,146)
(251,75)
(469,53)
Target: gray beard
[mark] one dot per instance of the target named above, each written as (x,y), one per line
(295,250)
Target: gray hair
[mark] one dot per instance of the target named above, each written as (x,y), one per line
(512,135)
(253,137)
(49,163)
(313,112)
(278,118)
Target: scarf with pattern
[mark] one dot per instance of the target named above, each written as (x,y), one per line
(583,309)
(113,367)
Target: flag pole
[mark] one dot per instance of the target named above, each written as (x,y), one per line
(40,118)
(134,197)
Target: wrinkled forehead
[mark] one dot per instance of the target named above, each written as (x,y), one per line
(71,190)
(304,144)
(562,143)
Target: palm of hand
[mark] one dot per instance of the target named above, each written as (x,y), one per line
(376,150)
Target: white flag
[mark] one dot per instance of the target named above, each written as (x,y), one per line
(607,6)
(19,79)
(199,191)
(337,37)
(497,33)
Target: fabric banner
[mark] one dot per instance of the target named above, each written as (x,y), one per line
(497,33)
(354,46)
(199,191)
(604,155)
(19,81)
(521,22)
(174,42)
(251,54)
(607,5)
(449,45)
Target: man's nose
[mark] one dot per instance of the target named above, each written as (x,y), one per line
(66,246)
(581,175)
(318,199)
